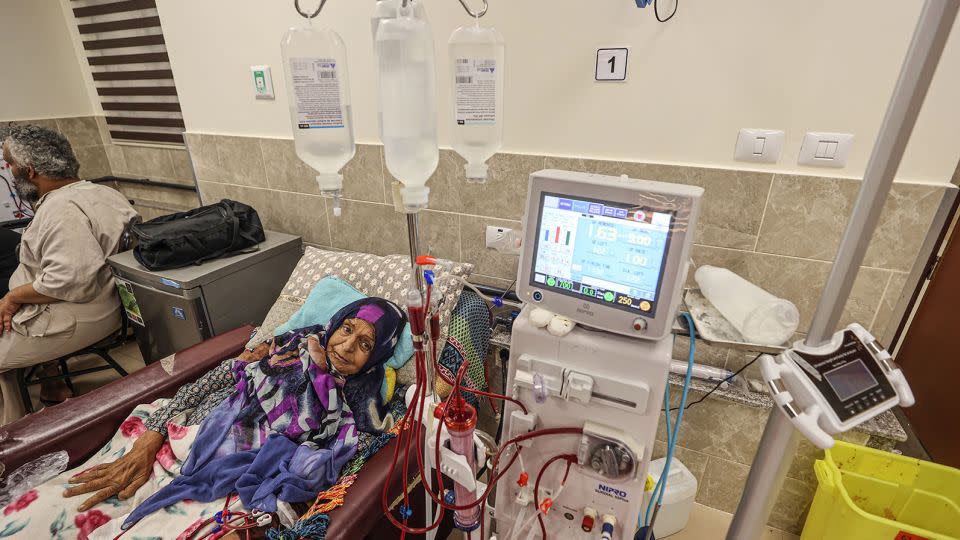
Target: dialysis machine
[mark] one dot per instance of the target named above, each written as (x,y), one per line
(611,254)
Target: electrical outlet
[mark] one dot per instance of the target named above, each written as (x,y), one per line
(262,82)
(503,240)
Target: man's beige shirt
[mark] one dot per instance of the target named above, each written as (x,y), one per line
(63,254)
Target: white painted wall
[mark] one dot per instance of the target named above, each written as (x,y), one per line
(42,76)
(818,65)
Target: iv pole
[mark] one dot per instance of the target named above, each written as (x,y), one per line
(779,442)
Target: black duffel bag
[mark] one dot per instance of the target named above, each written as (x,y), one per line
(205,233)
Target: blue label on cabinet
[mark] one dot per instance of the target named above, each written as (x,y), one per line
(179,313)
(169,283)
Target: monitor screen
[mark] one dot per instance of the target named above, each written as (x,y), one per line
(850,379)
(601,251)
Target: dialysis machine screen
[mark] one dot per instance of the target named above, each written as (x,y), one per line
(600,251)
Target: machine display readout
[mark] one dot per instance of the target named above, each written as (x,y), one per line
(603,252)
(851,379)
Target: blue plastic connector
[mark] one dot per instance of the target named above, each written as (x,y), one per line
(498,301)
(428,276)
(405,511)
(449,497)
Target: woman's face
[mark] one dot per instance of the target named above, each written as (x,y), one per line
(348,349)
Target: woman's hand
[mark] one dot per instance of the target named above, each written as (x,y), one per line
(317,353)
(122,477)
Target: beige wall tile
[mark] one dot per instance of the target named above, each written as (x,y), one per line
(502,195)
(182,169)
(49,123)
(593,166)
(724,429)
(798,280)
(884,321)
(147,161)
(104,129)
(118,163)
(211,192)
(723,483)
(175,197)
(295,213)
(732,205)
(806,217)
(93,161)
(705,354)
(205,158)
(80,131)
(285,171)
(473,247)
(369,228)
(363,176)
(906,219)
(440,234)
(802,466)
(241,160)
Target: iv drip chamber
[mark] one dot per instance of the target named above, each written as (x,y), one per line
(408,117)
(477,61)
(318,94)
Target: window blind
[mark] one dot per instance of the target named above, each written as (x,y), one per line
(124,45)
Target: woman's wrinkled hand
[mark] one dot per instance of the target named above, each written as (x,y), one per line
(122,477)
(317,353)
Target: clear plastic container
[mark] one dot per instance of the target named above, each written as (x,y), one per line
(387,9)
(477,71)
(760,317)
(678,498)
(408,104)
(317,81)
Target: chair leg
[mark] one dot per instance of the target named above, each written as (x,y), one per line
(65,371)
(113,363)
(24,390)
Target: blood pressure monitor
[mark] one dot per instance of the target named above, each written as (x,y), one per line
(835,387)
(607,252)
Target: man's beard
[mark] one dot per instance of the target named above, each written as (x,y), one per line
(26,190)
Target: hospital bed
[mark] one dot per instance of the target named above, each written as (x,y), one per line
(82,425)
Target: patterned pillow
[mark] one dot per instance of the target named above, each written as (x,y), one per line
(385,277)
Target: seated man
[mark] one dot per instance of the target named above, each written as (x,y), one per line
(62,296)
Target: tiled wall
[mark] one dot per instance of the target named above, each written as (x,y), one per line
(780,231)
(90,139)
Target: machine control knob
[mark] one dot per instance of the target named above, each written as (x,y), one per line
(639,324)
(537,296)
(611,461)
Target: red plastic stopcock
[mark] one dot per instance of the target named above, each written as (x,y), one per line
(426,260)
(545,505)
(523,480)
(587,523)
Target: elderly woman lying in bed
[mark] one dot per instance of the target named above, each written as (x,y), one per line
(275,424)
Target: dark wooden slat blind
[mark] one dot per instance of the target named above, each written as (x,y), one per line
(113,7)
(131,70)
(133,75)
(136,41)
(112,26)
(138,91)
(120,59)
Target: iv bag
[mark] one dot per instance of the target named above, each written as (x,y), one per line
(387,9)
(477,60)
(408,108)
(315,67)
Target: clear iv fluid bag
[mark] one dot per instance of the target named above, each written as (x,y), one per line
(317,80)
(388,9)
(477,62)
(408,104)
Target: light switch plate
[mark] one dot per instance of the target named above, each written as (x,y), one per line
(822,149)
(262,82)
(759,145)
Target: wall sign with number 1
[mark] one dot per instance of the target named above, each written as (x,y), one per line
(611,64)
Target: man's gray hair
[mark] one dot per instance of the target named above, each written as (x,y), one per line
(46,150)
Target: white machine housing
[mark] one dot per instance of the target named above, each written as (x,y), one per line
(837,386)
(625,194)
(600,377)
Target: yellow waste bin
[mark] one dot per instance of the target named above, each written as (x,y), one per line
(867,494)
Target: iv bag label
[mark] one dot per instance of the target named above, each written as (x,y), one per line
(316,92)
(476,91)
